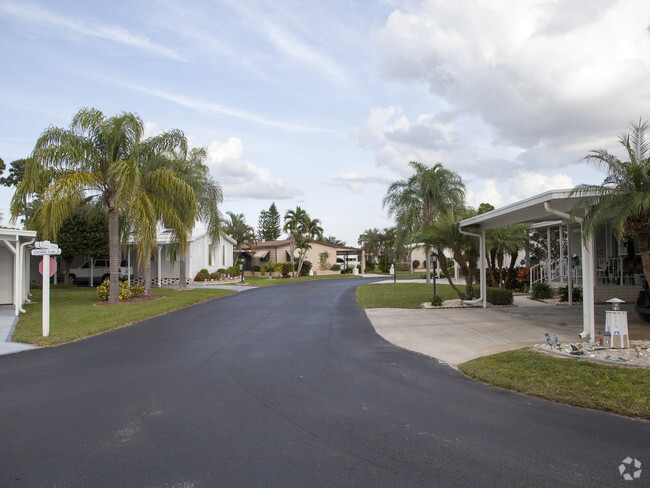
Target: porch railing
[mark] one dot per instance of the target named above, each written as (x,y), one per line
(544,271)
(610,271)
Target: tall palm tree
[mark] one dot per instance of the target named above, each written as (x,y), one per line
(239,230)
(370,241)
(314,229)
(295,222)
(623,199)
(69,165)
(445,234)
(190,167)
(155,193)
(417,201)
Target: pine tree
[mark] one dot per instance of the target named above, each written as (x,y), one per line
(268,225)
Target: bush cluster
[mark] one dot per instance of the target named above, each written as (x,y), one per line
(436,301)
(370,266)
(306,268)
(126,292)
(336,267)
(499,296)
(541,291)
(202,275)
(563,294)
(287,269)
(416,264)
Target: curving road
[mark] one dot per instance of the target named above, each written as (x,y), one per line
(285,386)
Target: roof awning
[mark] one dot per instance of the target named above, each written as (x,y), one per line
(261,254)
(531,210)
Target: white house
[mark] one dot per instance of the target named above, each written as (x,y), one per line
(201,253)
(14,266)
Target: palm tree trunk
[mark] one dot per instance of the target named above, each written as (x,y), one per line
(114,254)
(182,271)
(445,269)
(147,275)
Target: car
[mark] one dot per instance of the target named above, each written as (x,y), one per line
(642,306)
(100,271)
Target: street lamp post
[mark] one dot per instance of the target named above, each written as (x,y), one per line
(241,271)
(434,264)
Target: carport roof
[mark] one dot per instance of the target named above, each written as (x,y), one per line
(527,211)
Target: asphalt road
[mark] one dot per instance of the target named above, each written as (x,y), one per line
(286,386)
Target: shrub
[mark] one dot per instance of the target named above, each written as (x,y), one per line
(499,296)
(215,276)
(201,277)
(563,293)
(416,264)
(370,266)
(306,268)
(257,269)
(436,301)
(204,272)
(103,290)
(336,267)
(402,267)
(137,290)
(287,269)
(233,271)
(541,291)
(221,271)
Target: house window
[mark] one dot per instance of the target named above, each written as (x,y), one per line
(223,255)
(210,255)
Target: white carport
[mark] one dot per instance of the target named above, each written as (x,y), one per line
(540,208)
(14,266)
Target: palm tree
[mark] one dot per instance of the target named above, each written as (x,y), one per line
(295,223)
(240,231)
(155,193)
(370,241)
(191,168)
(417,201)
(623,199)
(303,244)
(69,165)
(445,234)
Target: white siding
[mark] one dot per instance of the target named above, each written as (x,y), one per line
(6,276)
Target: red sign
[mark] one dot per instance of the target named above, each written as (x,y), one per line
(52,265)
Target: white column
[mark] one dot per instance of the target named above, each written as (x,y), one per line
(483,276)
(589,324)
(549,256)
(561,254)
(159,266)
(569,270)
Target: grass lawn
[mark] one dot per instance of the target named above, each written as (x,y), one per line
(401,295)
(615,389)
(74,315)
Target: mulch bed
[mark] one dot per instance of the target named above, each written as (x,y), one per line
(140,299)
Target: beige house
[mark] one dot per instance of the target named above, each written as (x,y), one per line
(321,254)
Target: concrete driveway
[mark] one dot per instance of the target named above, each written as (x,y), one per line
(457,335)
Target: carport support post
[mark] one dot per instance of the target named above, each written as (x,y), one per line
(589,325)
(483,276)
(568,260)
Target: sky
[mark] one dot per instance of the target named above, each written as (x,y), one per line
(323,104)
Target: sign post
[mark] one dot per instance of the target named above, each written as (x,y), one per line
(46,249)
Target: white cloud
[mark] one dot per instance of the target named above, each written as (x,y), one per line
(532,70)
(528,184)
(87,28)
(242,179)
(356,183)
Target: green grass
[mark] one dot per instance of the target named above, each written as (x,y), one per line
(74,315)
(401,295)
(615,389)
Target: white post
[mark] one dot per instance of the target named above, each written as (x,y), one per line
(46,296)
(128,262)
(483,275)
(548,254)
(159,266)
(569,271)
(92,271)
(589,325)
(561,254)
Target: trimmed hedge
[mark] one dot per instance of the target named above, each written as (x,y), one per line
(541,291)
(499,296)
